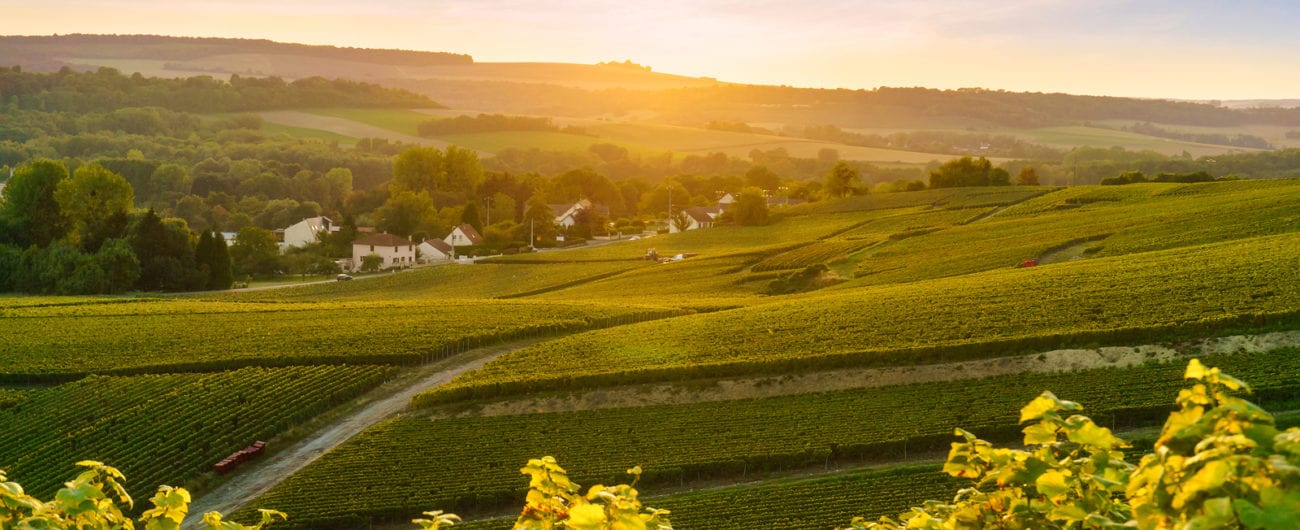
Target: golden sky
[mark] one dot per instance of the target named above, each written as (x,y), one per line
(1194,49)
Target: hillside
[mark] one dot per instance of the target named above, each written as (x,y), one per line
(613,88)
(182,57)
(694,369)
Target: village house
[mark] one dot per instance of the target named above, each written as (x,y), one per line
(396,251)
(697,217)
(431,250)
(463,236)
(566,215)
(306,232)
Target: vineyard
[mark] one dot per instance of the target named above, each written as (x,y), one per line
(1201,289)
(164,387)
(1127,220)
(811,254)
(471,464)
(823,502)
(483,280)
(66,341)
(164,428)
(950,198)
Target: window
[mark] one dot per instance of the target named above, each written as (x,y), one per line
(372,248)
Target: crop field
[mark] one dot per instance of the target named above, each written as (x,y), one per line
(486,279)
(948,198)
(477,458)
(908,222)
(1126,220)
(994,313)
(396,120)
(822,502)
(545,140)
(697,141)
(781,234)
(304,132)
(163,429)
(66,341)
(810,254)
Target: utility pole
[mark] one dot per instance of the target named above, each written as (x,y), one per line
(670,205)
(531,240)
(488,202)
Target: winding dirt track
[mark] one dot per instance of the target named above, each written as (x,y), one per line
(255,479)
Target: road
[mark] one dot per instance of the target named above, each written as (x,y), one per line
(257,477)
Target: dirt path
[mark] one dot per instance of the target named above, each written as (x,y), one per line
(254,479)
(1003,208)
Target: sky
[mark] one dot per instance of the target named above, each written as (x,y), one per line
(1187,49)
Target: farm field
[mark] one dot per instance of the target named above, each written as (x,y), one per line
(163,428)
(1068,136)
(1200,288)
(637,137)
(920,278)
(822,502)
(67,341)
(477,464)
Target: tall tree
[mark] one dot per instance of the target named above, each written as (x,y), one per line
(470,216)
(842,180)
(750,208)
(91,198)
(418,169)
(1027,176)
(166,253)
(29,213)
(255,252)
(213,255)
(965,171)
(405,212)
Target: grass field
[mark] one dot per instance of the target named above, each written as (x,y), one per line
(304,132)
(396,120)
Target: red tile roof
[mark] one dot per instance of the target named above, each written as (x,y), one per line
(383,240)
(470,233)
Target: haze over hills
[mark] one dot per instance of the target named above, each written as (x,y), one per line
(614,88)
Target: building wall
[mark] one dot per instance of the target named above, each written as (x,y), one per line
(299,235)
(400,256)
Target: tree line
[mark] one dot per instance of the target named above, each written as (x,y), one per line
(80,234)
(107,89)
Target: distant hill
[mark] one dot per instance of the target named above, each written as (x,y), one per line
(161,56)
(622,90)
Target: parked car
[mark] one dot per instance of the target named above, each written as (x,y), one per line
(343,277)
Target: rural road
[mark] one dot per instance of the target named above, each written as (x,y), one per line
(260,476)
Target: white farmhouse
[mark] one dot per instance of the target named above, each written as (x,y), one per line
(726,201)
(304,232)
(463,235)
(434,250)
(696,217)
(396,251)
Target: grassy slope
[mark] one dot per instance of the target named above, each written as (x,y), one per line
(1035,308)
(160,335)
(478,457)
